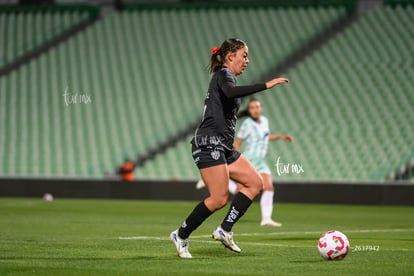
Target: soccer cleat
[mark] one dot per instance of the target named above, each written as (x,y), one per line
(200,184)
(181,245)
(226,239)
(270,223)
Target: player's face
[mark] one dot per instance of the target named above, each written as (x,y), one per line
(255,110)
(239,60)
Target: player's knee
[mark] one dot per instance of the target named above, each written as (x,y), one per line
(268,187)
(222,202)
(219,201)
(257,184)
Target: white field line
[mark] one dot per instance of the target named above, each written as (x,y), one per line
(302,246)
(198,237)
(313,232)
(263,244)
(273,234)
(204,241)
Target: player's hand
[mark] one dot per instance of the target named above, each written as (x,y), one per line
(287,138)
(274,82)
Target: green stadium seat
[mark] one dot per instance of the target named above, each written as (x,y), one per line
(145,72)
(349,105)
(24,29)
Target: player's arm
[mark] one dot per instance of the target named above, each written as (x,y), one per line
(273,137)
(232,91)
(228,85)
(237,143)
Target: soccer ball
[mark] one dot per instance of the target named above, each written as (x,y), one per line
(333,245)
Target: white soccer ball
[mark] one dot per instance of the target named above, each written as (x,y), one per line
(333,245)
(48,197)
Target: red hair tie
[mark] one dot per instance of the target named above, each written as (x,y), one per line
(215,50)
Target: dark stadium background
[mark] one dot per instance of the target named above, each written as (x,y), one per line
(86,85)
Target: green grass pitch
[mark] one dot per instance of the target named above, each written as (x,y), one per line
(115,237)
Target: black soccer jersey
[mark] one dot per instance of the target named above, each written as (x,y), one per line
(221,106)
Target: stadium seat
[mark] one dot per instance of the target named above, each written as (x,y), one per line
(348,105)
(23,29)
(143,69)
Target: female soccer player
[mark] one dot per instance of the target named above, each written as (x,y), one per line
(255,132)
(213,151)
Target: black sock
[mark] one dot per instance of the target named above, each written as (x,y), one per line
(197,216)
(237,209)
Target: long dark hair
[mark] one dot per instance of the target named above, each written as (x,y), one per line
(245,112)
(218,54)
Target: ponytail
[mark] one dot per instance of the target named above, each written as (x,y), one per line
(216,59)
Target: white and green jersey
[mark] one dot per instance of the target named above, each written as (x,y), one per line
(255,136)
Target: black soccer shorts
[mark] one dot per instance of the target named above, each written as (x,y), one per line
(212,155)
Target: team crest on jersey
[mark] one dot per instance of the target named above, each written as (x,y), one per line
(215,154)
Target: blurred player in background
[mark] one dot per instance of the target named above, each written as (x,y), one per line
(254,131)
(213,150)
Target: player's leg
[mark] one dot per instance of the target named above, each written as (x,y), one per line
(215,175)
(216,179)
(266,201)
(243,172)
(233,186)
